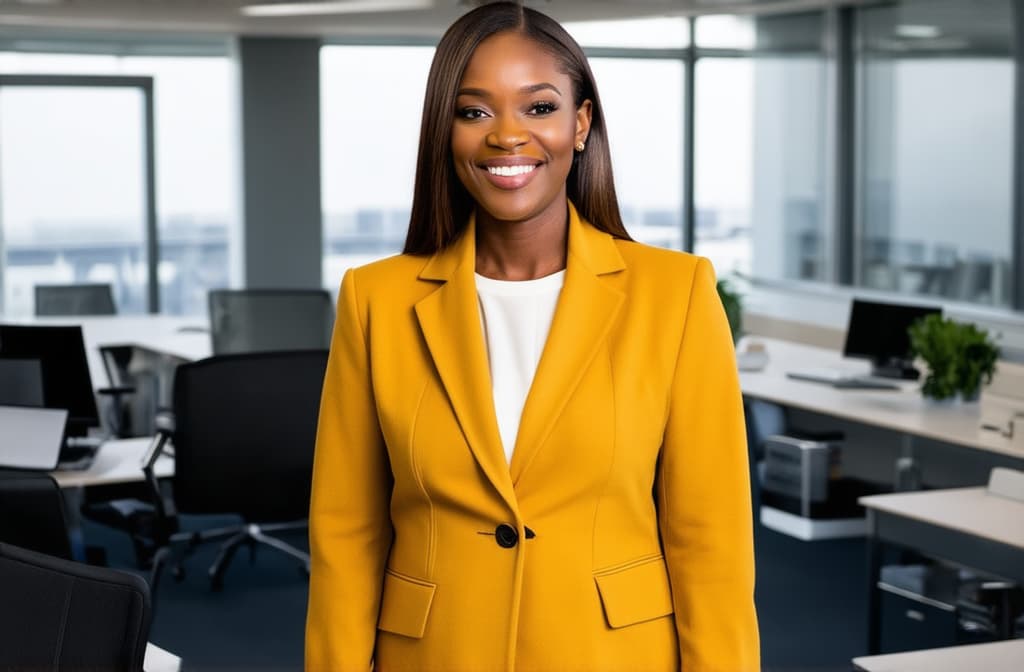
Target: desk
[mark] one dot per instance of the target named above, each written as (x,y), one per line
(906,412)
(174,335)
(117,461)
(158,660)
(965,526)
(993,657)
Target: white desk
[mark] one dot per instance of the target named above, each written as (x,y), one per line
(158,660)
(905,411)
(994,657)
(116,462)
(184,337)
(966,526)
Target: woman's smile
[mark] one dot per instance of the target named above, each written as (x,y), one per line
(511,172)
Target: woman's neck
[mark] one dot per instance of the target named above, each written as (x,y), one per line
(522,250)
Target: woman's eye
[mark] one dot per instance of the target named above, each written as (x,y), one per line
(470,113)
(542,108)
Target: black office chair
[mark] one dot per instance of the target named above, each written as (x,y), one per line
(259,320)
(85,299)
(56,614)
(32,513)
(245,429)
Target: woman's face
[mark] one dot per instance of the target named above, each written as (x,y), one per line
(515,128)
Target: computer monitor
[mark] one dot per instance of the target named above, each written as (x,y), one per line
(66,381)
(21,382)
(878,331)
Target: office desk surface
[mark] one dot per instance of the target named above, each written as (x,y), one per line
(116,462)
(184,337)
(970,510)
(994,657)
(904,410)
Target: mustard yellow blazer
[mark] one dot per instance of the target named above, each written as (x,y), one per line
(619,538)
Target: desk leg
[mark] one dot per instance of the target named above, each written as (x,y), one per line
(907,476)
(874,548)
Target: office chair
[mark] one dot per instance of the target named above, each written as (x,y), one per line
(62,615)
(94,299)
(32,513)
(258,320)
(244,433)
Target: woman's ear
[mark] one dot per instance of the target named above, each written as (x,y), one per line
(583,115)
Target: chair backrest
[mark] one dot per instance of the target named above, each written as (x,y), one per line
(32,513)
(260,320)
(245,429)
(62,615)
(94,299)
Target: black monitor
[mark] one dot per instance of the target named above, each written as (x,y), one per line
(878,331)
(66,381)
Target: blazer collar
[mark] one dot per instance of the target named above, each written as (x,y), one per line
(450,321)
(593,248)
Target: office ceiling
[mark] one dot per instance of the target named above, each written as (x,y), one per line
(427,18)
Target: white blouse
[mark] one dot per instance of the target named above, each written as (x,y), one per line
(516,317)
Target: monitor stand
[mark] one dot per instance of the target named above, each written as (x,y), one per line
(900,369)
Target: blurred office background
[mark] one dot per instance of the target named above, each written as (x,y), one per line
(812,149)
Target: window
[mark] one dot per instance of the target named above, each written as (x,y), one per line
(760,137)
(370,123)
(645,129)
(935,111)
(197,185)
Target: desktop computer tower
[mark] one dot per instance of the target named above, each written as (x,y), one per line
(803,476)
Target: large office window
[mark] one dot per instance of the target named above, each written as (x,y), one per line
(197,187)
(935,110)
(645,130)
(370,121)
(759,178)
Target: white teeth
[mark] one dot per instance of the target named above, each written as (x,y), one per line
(509,171)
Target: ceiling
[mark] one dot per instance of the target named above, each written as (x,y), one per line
(426,18)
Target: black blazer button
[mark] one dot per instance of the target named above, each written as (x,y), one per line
(506,536)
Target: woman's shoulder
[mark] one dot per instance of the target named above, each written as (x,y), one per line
(659,261)
(389,276)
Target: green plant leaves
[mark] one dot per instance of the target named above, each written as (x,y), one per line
(960,356)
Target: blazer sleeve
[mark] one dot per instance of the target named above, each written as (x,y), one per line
(703,494)
(349,524)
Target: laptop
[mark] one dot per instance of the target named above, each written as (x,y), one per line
(31,438)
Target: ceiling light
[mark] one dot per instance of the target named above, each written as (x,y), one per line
(918,32)
(352,6)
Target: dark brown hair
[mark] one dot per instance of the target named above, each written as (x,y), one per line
(441,205)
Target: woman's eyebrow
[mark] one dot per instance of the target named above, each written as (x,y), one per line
(531,88)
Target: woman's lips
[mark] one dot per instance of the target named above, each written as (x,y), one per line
(510,176)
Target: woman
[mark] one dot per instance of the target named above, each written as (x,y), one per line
(475,508)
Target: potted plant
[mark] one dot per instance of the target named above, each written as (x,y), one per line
(960,357)
(733,305)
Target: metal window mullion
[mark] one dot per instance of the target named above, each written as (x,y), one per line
(689,135)
(845,147)
(1017,223)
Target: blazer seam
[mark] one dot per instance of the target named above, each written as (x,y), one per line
(629,564)
(611,462)
(431,545)
(675,373)
(359,317)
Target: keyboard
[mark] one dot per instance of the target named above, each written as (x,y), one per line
(841,379)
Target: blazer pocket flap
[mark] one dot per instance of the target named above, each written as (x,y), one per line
(405,605)
(637,593)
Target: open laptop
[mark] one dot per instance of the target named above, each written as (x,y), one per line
(31,438)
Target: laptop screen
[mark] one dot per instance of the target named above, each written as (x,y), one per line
(31,438)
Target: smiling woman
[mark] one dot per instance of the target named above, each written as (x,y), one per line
(531,452)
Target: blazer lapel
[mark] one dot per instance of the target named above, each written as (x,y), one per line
(585,312)
(450,321)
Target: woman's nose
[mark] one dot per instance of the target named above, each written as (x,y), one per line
(507,133)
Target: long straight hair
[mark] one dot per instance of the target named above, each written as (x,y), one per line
(441,205)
